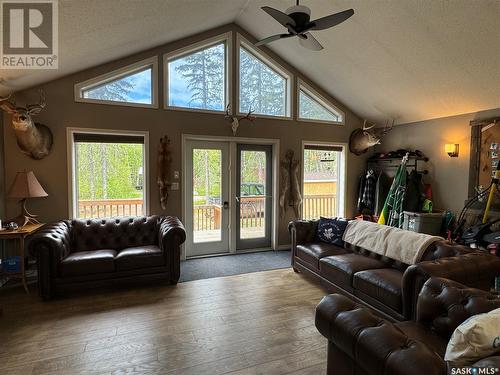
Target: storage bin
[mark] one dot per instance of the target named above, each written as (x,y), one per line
(422,222)
(11,264)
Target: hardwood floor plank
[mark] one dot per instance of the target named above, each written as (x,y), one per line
(257,323)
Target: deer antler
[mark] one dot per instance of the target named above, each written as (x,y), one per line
(365,128)
(248,116)
(7,105)
(34,109)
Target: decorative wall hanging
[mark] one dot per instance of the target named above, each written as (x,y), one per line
(235,120)
(290,185)
(34,139)
(361,139)
(164,170)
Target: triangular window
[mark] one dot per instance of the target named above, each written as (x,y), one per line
(133,85)
(314,108)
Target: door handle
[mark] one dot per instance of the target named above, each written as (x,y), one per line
(225,205)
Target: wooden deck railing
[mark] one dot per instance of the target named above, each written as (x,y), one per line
(315,206)
(206,217)
(110,207)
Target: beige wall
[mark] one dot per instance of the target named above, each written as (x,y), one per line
(449,176)
(62,112)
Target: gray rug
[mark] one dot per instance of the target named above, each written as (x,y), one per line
(206,268)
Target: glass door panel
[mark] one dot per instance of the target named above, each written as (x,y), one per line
(207,193)
(253,196)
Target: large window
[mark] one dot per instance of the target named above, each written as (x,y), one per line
(109,174)
(197,78)
(322,187)
(314,108)
(263,88)
(133,85)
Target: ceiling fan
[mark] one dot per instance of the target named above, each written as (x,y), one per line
(297,21)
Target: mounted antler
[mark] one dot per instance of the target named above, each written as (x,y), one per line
(235,120)
(7,105)
(365,128)
(35,109)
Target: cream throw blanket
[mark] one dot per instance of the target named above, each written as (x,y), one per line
(399,244)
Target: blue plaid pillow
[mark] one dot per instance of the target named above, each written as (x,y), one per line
(331,230)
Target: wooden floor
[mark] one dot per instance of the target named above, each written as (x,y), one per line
(257,323)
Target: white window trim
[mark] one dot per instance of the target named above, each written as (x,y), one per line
(72,198)
(269,61)
(341,173)
(225,38)
(151,62)
(302,86)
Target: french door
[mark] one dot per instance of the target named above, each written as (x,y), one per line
(253,196)
(207,198)
(228,197)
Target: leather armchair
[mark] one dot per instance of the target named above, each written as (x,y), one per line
(89,253)
(360,342)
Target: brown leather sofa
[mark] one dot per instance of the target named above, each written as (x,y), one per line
(359,342)
(100,252)
(387,286)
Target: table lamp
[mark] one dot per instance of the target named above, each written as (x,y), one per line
(25,186)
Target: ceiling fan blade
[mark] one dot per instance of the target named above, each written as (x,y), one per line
(270,39)
(279,16)
(310,42)
(331,20)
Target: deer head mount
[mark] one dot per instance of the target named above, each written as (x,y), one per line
(235,120)
(34,139)
(362,139)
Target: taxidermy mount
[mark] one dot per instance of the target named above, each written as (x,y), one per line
(34,139)
(164,170)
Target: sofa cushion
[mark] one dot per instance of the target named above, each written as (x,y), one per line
(88,262)
(340,269)
(313,252)
(419,332)
(139,257)
(384,285)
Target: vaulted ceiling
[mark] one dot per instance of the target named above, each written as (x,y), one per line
(403,59)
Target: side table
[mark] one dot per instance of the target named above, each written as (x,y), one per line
(19,234)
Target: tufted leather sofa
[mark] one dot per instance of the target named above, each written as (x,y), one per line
(73,254)
(360,342)
(388,286)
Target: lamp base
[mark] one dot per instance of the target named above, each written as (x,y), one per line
(24,217)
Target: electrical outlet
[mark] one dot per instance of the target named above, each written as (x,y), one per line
(176,175)
(175,186)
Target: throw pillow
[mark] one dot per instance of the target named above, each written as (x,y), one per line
(331,230)
(476,338)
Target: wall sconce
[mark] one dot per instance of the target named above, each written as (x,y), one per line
(452,149)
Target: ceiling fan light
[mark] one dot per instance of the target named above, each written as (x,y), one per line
(298,9)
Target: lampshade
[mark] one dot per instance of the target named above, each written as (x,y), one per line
(451,149)
(26,185)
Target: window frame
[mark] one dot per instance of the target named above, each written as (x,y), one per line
(313,94)
(342,163)
(116,74)
(225,38)
(71,163)
(241,41)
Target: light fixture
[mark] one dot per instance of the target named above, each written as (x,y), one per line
(452,149)
(25,186)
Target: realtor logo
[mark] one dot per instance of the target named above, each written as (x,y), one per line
(29,37)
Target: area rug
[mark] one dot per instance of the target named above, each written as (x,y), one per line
(227,265)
